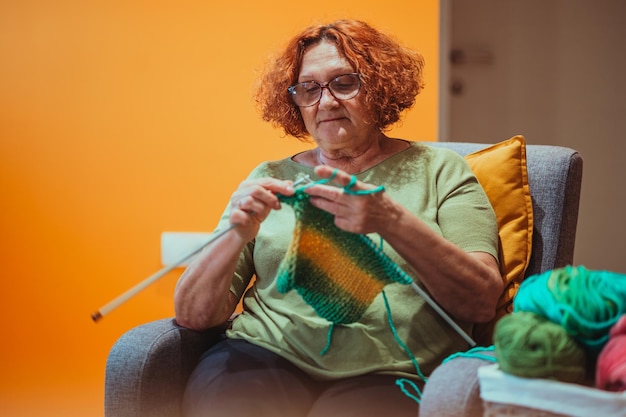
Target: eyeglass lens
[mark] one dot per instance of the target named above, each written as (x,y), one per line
(309,93)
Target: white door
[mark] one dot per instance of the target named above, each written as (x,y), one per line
(551,70)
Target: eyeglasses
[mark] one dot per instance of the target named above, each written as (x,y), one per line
(309,93)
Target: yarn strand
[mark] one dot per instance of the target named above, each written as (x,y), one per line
(329,338)
(402,381)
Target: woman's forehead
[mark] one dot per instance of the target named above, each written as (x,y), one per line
(322,59)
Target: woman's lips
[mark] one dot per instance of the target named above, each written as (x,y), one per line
(331,119)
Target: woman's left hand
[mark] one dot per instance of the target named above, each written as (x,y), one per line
(357,213)
(466,285)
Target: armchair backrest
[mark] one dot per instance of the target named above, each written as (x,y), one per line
(555,179)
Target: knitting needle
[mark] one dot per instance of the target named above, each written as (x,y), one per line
(115,303)
(107,308)
(443,314)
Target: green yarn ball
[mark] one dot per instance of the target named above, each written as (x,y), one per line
(530,346)
(587,303)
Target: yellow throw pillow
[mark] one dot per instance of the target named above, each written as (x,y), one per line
(501,170)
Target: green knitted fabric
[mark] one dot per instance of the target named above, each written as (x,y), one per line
(338,273)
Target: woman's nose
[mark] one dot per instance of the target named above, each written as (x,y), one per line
(327,98)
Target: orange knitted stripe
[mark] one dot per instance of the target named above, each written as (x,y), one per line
(338,267)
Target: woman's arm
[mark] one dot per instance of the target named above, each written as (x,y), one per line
(466,284)
(202,298)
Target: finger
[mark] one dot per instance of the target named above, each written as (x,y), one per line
(272,189)
(255,209)
(351,185)
(349,182)
(242,219)
(275,186)
(337,176)
(326,192)
(244,204)
(258,196)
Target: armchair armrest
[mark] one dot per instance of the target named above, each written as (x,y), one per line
(148,367)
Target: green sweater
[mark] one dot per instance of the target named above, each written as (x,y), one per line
(435,184)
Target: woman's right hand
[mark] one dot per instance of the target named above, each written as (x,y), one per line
(202,298)
(253,201)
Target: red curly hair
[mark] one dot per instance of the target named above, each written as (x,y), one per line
(391,75)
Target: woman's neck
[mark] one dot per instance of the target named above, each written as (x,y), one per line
(357,160)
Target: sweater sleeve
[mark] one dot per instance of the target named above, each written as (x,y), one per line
(465,214)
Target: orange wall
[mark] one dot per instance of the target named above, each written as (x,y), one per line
(118,121)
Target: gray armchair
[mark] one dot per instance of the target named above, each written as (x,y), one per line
(148,366)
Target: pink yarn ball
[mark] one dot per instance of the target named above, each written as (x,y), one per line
(611,366)
(619,328)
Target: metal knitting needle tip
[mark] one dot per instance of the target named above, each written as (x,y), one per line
(302,179)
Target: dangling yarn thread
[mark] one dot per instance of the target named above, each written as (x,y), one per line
(611,366)
(529,346)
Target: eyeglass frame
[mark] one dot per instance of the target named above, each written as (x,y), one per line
(291,89)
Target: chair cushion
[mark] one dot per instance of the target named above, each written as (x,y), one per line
(502,172)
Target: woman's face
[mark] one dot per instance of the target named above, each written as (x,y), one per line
(333,124)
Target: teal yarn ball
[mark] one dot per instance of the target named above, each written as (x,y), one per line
(529,346)
(587,303)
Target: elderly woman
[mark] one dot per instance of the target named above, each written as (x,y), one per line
(341,84)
